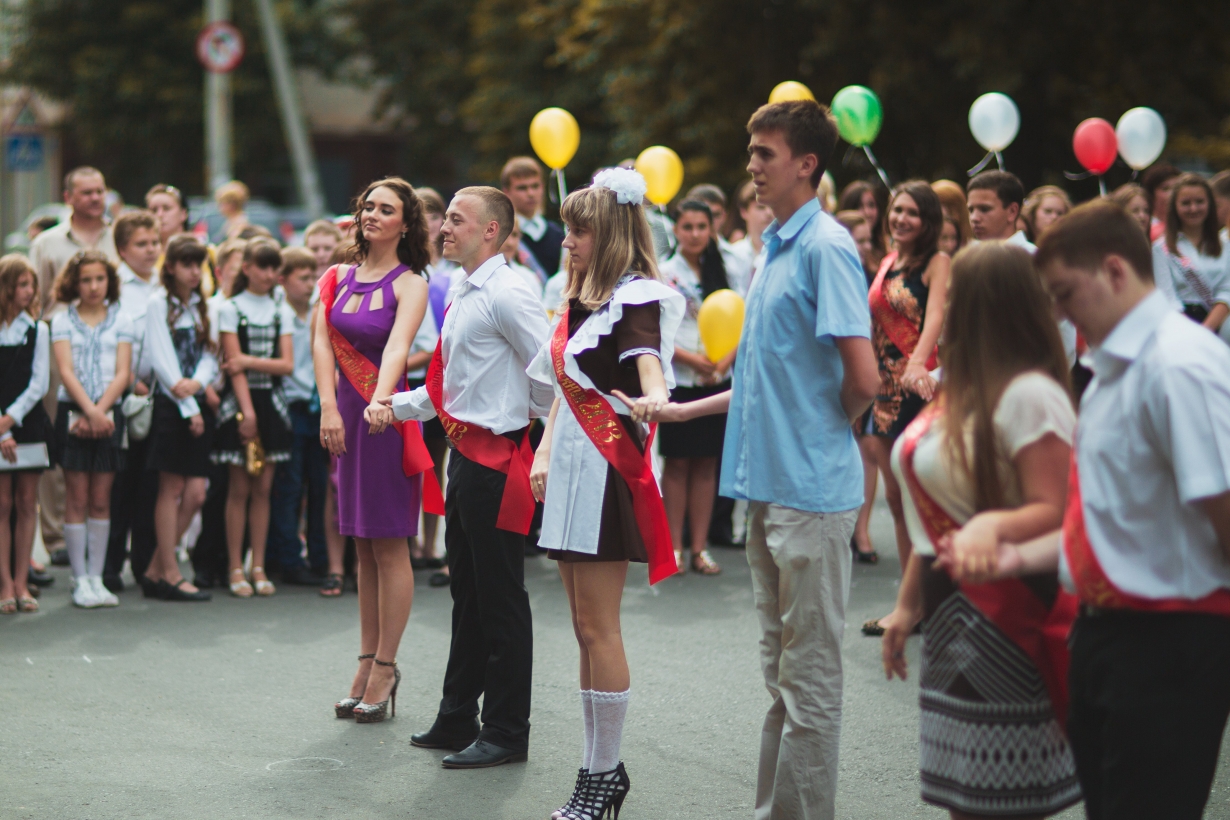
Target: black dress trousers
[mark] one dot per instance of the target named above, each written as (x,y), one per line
(492,651)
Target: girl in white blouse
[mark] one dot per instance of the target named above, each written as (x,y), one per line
(991,688)
(92,341)
(256,338)
(24,375)
(181,355)
(1190,264)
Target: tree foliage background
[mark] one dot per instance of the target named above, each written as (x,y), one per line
(466,76)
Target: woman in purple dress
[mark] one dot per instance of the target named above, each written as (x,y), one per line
(369,315)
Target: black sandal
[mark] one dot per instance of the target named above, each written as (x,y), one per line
(332,587)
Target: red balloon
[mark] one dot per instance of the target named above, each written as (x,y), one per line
(1095,145)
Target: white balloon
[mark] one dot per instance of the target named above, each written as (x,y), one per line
(1142,136)
(994,121)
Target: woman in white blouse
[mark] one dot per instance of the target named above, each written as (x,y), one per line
(182,357)
(92,341)
(24,375)
(989,689)
(1190,263)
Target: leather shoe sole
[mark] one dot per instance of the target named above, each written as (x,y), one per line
(482,755)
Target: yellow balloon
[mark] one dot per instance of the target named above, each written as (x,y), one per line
(721,323)
(790,90)
(663,173)
(555,135)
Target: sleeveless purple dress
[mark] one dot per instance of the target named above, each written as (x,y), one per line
(375,498)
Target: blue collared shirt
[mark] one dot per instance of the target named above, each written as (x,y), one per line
(788,441)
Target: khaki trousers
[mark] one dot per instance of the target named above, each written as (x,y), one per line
(801,578)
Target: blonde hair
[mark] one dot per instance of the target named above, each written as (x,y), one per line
(623,245)
(1034,201)
(952,200)
(233,193)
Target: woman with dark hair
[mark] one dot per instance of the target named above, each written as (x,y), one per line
(92,343)
(907,300)
(956,232)
(181,355)
(368,315)
(1158,182)
(1190,262)
(861,196)
(988,461)
(25,362)
(690,449)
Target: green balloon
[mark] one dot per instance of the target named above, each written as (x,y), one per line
(859,115)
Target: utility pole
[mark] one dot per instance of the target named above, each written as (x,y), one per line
(218,127)
(307,181)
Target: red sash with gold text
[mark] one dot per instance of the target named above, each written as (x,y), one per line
(491,450)
(1041,632)
(363,377)
(898,328)
(602,426)
(1092,584)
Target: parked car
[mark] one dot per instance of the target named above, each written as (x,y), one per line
(19,240)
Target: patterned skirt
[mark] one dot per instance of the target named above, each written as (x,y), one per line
(990,742)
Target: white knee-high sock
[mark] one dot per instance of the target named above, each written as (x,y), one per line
(587,711)
(98,531)
(610,709)
(74,542)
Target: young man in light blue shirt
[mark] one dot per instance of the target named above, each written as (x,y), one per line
(805,369)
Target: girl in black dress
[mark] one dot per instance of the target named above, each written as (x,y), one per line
(24,376)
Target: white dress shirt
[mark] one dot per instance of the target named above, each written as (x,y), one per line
(1169,277)
(677,273)
(737,259)
(134,300)
(94,349)
(493,329)
(160,351)
(1152,438)
(533,226)
(12,335)
(302,380)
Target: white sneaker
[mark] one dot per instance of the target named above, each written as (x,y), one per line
(105,596)
(83,593)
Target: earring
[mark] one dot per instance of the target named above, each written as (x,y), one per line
(403,234)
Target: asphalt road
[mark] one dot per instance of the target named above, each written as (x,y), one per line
(223,710)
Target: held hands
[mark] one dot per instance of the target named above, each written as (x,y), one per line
(196,425)
(8,449)
(918,380)
(975,554)
(378,416)
(332,431)
(892,645)
(538,472)
(649,408)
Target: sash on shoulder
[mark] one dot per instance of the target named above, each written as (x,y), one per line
(899,329)
(1092,584)
(599,421)
(363,377)
(1039,631)
(491,450)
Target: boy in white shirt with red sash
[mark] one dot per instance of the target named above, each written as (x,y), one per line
(1146,537)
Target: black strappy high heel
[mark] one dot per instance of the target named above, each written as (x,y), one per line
(601,794)
(376,712)
(344,708)
(563,810)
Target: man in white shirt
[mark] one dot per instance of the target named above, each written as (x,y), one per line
(1146,539)
(135,488)
(494,327)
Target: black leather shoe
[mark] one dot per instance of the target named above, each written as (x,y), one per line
(301,576)
(205,579)
(59,558)
(176,592)
(40,579)
(113,583)
(482,755)
(437,738)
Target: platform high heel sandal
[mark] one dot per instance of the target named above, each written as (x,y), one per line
(601,794)
(344,708)
(387,708)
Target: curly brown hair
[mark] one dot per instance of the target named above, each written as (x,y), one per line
(412,249)
(68,284)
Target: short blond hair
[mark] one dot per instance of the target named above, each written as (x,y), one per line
(294,259)
(520,168)
(322,226)
(233,193)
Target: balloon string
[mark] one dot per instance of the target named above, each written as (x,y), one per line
(999,158)
(1076,177)
(563,187)
(1102,185)
(845,160)
(984,163)
(876,164)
